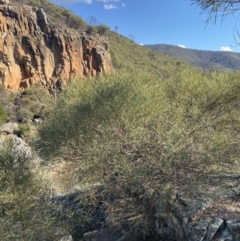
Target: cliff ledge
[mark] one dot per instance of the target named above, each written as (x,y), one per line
(32,50)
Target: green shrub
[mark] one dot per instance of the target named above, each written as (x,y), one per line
(33,102)
(24,129)
(3,115)
(138,136)
(4,95)
(24,115)
(91,29)
(24,199)
(11,98)
(103,29)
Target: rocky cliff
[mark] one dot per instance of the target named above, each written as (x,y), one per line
(33,50)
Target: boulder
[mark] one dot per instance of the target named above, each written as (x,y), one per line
(9,128)
(19,148)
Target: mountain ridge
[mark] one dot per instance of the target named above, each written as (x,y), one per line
(206,59)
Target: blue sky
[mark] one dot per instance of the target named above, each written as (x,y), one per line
(175,22)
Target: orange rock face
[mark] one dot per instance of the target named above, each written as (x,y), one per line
(32,50)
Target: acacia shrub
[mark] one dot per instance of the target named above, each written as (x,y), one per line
(3,115)
(26,211)
(103,29)
(140,136)
(4,103)
(35,101)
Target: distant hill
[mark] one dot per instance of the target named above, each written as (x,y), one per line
(201,58)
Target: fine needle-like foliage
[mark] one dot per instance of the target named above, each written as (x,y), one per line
(26,212)
(141,137)
(217,8)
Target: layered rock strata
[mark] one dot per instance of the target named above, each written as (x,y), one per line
(32,50)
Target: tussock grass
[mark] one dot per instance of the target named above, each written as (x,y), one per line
(141,137)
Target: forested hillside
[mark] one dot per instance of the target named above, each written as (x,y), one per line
(201,58)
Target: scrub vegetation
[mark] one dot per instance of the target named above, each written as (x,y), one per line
(155,125)
(141,137)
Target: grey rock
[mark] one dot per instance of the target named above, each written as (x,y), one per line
(213,228)
(9,128)
(19,146)
(198,230)
(37,120)
(108,234)
(233,225)
(214,216)
(225,235)
(194,207)
(72,203)
(66,238)
(42,20)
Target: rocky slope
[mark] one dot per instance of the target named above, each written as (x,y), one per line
(212,215)
(33,50)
